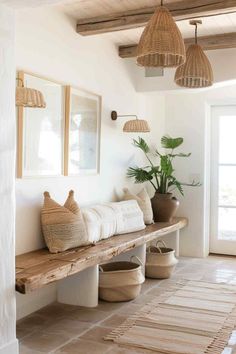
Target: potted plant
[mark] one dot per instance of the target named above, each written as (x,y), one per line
(161,176)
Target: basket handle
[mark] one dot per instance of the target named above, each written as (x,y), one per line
(161,242)
(149,249)
(137,258)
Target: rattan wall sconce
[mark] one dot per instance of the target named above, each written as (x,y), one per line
(28,97)
(161,43)
(132,126)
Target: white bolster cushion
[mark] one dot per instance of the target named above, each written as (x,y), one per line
(129,216)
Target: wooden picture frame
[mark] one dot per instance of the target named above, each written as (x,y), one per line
(29,154)
(75,104)
(82,132)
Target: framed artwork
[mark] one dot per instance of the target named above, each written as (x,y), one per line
(82,132)
(41,130)
(64,137)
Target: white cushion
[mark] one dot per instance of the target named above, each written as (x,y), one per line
(92,223)
(129,216)
(144,203)
(105,220)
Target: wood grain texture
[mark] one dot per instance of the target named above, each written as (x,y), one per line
(39,268)
(181,10)
(218,41)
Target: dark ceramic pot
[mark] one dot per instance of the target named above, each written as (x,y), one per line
(164,207)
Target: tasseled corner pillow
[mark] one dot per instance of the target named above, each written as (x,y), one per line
(144,203)
(63,226)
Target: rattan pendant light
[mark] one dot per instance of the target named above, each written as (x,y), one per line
(28,97)
(197,71)
(161,43)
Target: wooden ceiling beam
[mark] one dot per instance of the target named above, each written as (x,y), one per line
(218,41)
(181,10)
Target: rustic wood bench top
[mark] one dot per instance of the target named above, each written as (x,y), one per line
(38,268)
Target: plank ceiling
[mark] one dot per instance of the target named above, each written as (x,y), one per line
(80,9)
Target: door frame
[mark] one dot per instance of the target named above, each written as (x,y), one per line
(216,245)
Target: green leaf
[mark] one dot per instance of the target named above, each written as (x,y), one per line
(155,170)
(141,144)
(139,174)
(171,143)
(173,182)
(166,166)
(192,184)
(179,155)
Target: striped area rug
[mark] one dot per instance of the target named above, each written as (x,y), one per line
(191,317)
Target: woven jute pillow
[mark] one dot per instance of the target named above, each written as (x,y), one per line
(144,203)
(63,226)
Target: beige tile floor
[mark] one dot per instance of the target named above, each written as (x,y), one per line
(64,329)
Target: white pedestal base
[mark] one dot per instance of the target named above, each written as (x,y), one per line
(140,252)
(80,289)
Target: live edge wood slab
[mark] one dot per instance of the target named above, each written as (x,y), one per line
(39,268)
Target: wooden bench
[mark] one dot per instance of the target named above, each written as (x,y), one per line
(39,268)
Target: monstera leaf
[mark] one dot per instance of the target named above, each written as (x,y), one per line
(171,143)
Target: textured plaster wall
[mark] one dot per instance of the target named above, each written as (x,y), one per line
(47,44)
(8,344)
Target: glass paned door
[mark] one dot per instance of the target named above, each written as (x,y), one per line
(223,180)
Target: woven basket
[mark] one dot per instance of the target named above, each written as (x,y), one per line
(197,71)
(161,43)
(160,261)
(63,226)
(120,281)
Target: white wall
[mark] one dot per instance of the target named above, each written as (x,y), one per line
(222,61)
(47,44)
(8,343)
(187,115)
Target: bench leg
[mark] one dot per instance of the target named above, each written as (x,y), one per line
(177,243)
(139,251)
(80,289)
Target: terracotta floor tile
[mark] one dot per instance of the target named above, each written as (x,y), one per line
(43,341)
(77,330)
(109,306)
(68,327)
(88,315)
(84,347)
(114,321)
(56,310)
(130,309)
(96,334)
(25,350)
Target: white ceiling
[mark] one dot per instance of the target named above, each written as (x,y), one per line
(79,9)
(210,26)
(29,3)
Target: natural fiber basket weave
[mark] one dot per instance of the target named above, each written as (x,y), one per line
(136,126)
(63,226)
(120,281)
(197,71)
(28,97)
(161,43)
